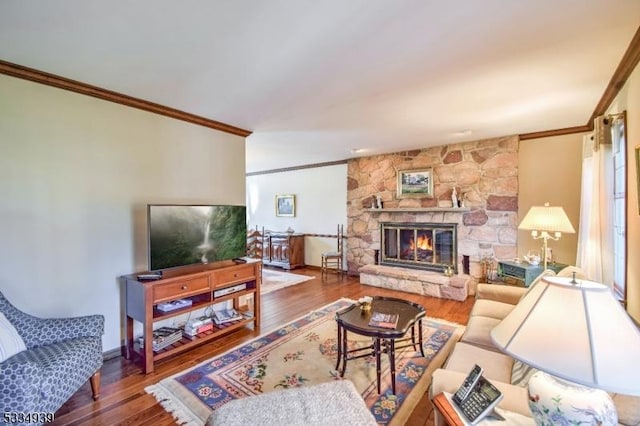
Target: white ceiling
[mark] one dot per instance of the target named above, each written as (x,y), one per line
(315,79)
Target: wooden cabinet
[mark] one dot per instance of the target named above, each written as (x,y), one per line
(204,285)
(284,250)
(523,274)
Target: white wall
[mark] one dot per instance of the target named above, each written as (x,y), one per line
(76,174)
(321,204)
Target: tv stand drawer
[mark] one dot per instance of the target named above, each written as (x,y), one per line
(230,276)
(177,290)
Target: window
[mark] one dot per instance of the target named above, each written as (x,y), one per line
(619,151)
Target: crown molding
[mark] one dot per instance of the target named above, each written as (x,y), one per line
(305,166)
(556,132)
(53,80)
(628,63)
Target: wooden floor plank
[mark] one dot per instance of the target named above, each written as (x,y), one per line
(123,400)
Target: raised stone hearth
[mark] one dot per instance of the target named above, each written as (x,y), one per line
(426,283)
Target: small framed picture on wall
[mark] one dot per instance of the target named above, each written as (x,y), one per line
(417,183)
(286,205)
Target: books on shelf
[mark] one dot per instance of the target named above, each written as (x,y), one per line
(378,319)
(192,333)
(226,315)
(163,337)
(197,326)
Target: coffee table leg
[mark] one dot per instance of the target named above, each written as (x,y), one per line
(339,346)
(392,362)
(420,336)
(377,349)
(413,336)
(344,352)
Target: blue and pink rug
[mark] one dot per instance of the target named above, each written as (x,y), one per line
(303,353)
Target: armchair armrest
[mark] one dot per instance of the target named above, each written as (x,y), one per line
(54,330)
(500,293)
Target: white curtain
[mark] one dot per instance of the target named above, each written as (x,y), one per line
(595,236)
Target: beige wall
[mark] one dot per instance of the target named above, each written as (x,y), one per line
(76,174)
(550,171)
(629,99)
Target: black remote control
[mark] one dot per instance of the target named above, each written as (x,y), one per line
(149,276)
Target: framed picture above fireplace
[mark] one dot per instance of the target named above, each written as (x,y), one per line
(415,183)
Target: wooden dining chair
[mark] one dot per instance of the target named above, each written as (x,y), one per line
(332,260)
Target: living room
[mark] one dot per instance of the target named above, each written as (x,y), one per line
(79,171)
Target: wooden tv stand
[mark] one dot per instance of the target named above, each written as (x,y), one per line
(198,283)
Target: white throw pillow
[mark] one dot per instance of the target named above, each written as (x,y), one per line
(10,341)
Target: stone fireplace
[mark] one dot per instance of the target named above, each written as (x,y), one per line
(428,246)
(484,174)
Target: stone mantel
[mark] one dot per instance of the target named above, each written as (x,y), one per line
(420,210)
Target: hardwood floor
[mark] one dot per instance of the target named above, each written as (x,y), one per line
(123,400)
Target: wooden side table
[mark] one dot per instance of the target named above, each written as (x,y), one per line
(442,404)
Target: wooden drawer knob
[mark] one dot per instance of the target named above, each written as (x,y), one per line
(184,287)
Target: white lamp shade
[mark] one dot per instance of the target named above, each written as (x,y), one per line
(577,332)
(547,218)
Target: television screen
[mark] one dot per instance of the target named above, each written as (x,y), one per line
(182,235)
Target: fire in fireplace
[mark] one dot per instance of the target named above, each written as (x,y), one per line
(430,246)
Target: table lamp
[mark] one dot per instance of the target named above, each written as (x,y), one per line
(578,333)
(546,222)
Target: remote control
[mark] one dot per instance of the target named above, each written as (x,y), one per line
(149,277)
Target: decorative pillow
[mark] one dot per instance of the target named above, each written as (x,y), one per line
(521,373)
(10,341)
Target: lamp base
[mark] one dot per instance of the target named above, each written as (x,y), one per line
(553,401)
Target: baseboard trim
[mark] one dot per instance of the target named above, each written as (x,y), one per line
(113,353)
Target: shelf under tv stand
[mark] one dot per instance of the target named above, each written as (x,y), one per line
(197,283)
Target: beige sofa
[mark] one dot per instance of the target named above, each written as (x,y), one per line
(493,303)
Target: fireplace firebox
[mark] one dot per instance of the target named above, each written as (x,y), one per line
(429,246)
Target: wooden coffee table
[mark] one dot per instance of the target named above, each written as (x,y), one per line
(355,320)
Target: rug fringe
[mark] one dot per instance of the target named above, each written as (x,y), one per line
(180,412)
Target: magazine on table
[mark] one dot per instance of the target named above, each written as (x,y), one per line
(378,319)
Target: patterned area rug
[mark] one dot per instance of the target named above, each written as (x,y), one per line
(275,280)
(303,353)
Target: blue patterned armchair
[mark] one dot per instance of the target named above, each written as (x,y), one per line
(62,353)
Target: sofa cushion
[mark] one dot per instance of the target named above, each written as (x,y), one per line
(478,332)
(628,408)
(496,366)
(10,341)
(491,309)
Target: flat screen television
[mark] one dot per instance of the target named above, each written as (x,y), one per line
(180,235)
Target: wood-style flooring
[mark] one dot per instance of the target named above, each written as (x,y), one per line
(123,400)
